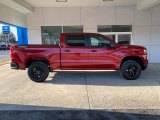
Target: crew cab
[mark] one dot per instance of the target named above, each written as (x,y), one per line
(79,51)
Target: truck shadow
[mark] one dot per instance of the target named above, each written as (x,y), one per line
(149,77)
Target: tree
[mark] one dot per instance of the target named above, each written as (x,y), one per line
(10,37)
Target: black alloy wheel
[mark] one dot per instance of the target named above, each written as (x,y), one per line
(38,72)
(130,70)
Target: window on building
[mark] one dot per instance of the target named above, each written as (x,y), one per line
(51,34)
(74,29)
(124,39)
(75,40)
(121,34)
(114,28)
(104,28)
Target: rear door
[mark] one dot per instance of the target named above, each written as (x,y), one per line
(74,54)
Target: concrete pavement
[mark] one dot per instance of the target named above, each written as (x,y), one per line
(4,55)
(79,90)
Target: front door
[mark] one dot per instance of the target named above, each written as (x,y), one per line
(101,53)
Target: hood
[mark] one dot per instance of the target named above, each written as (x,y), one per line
(132,46)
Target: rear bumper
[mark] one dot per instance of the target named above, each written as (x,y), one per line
(14,66)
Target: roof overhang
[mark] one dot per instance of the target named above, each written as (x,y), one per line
(19,5)
(24,7)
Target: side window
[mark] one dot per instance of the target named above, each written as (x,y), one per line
(94,41)
(98,41)
(75,40)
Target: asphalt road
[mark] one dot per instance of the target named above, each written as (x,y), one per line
(78,115)
(80,90)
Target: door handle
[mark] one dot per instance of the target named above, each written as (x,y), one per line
(66,50)
(93,50)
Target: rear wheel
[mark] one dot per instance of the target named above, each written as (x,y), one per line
(38,72)
(130,70)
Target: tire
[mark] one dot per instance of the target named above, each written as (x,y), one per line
(130,70)
(38,72)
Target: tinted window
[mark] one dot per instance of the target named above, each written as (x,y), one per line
(98,41)
(75,40)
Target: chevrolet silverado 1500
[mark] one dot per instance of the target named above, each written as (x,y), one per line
(79,51)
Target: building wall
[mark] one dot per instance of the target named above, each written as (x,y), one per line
(12,16)
(146,23)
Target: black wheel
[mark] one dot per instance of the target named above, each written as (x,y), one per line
(130,70)
(38,72)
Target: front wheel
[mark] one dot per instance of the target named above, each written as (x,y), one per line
(130,70)
(38,72)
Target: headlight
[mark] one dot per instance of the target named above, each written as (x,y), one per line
(145,51)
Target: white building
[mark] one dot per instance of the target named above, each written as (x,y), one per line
(137,21)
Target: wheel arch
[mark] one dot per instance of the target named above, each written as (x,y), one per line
(31,61)
(135,58)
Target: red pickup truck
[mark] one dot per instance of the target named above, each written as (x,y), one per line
(79,51)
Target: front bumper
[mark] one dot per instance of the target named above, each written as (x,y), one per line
(14,66)
(145,66)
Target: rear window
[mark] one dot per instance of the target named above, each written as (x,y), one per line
(75,40)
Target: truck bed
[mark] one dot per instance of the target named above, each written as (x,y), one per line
(23,54)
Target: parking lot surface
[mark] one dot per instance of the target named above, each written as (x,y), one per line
(76,90)
(4,55)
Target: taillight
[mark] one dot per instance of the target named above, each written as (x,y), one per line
(12,49)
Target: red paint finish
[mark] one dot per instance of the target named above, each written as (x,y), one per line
(77,58)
